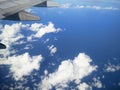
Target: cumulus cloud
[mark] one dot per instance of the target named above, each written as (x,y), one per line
(52,49)
(69,70)
(97,83)
(12,34)
(111,8)
(40,30)
(111,68)
(84,86)
(22,65)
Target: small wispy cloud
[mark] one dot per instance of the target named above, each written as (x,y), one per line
(84,86)
(40,30)
(67,5)
(97,83)
(28,10)
(52,49)
(96,7)
(90,1)
(111,68)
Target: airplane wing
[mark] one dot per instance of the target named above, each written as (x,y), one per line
(1,16)
(14,9)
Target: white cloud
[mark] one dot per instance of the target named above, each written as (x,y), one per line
(22,65)
(111,8)
(69,70)
(84,86)
(67,5)
(11,33)
(27,47)
(46,40)
(102,8)
(80,6)
(36,26)
(52,49)
(45,72)
(19,42)
(46,29)
(88,7)
(97,83)
(40,30)
(29,10)
(119,84)
(111,68)
(94,7)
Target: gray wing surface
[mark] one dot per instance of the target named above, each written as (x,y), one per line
(1,16)
(14,9)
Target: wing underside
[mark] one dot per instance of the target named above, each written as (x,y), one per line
(22,16)
(1,16)
(14,9)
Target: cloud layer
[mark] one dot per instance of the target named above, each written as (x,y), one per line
(52,49)
(12,33)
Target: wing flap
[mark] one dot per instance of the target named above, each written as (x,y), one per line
(1,16)
(22,16)
(27,16)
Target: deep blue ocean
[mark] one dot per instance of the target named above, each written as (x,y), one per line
(93,32)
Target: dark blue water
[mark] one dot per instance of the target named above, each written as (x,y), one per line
(94,32)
